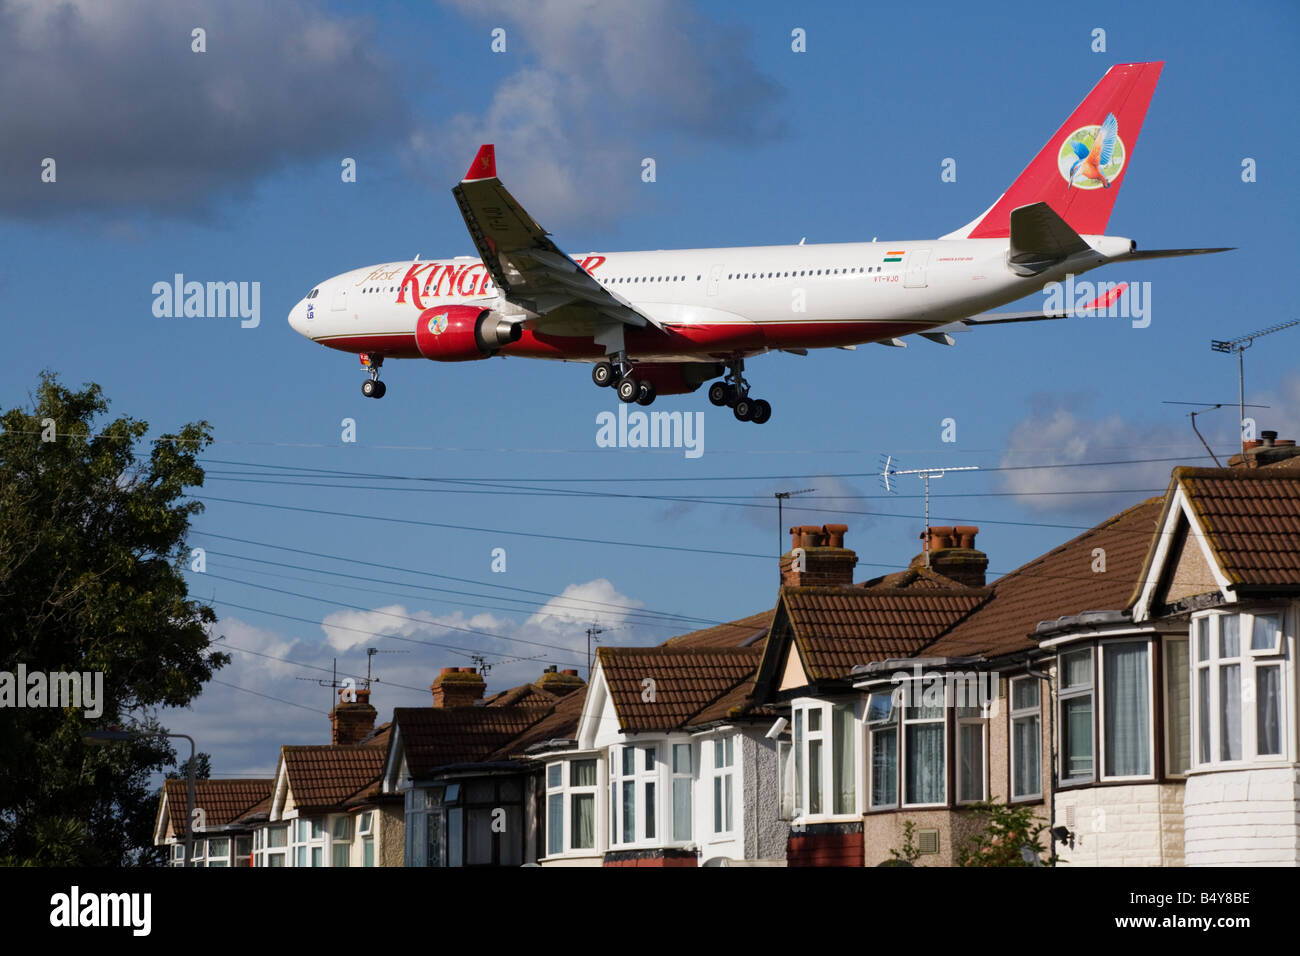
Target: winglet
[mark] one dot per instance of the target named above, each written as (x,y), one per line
(484,165)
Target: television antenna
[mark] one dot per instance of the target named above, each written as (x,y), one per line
(1239,345)
(887,471)
(781,498)
(1207,407)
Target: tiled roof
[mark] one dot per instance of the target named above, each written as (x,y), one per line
(1058,584)
(560,724)
(523,694)
(436,737)
(686,682)
(746,632)
(1251,520)
(325,776)
(222,801)
(836,629)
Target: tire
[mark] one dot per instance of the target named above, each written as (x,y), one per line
(645,393)
(368,388)
(603,374)
(762,412)
(628,389)
(380,389)
(718,392)
(743,410)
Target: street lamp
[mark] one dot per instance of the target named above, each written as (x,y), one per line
(113,735)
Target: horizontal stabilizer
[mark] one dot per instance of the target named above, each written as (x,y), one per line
(1171,253)
(1039,237)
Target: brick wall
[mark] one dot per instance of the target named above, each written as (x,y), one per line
(826,844)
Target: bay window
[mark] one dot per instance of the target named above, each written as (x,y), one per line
(925,772)
(571,806)
(825,758)
(1178,707)
(308,842)
(882,729)
(724,762)
(341,842)
(683,781)
(1026,739)
(1126,709)
(634,775)
(1241,690)
(271,845)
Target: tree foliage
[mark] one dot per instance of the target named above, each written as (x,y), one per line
(92,543)
(1006,834)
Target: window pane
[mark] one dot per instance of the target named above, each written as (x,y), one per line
(318,856)
(729,750)
(1268,710)
(798,763)
(727,801)
(1229,635)
(510,789)
(613,812)
(682,808)
(340,854)
(478,837)
(302,856)
(342,828)
(681,758)
(884,767)
(317,829)
(1126,710)
(368,851)
(279,836)
(555,823)
(814,776)
(649,758)
(629,811)
(844,769)
(1203,639)
(1178,693)
(925,763)
(717,753)
(303,830)
(1027,736)
(1263,637)
(629,761)
(455,836)
(582,773)
(1024,694)
(1077,668)
(814,719)
(510,842)
(1076,736)
(275,859)
(880,707)
(554,776)
(583,822)
(649,811)
(219,846)
(970,741)
(1203,714)
(1230,712)
(717,804)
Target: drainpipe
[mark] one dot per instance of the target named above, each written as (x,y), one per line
(1051,745)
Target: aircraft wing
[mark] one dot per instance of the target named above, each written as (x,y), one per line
(526,266)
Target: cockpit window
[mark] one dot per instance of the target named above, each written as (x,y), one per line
(313,293)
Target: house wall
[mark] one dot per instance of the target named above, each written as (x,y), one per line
(1243,817)
(391,850)
(765,831)
(1128,825)
(825,844)
(882,832)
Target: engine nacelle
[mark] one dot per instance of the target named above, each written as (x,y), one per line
(463,333)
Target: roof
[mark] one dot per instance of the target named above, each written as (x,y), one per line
(560,724)
(222,801)
(434,737)
(1059,583)
(328,775)
(687,681)
(838,628)
(745,632)
(1251,520)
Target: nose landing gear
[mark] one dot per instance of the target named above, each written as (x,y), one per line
(372,387)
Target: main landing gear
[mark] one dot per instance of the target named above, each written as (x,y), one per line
(733,390)
(372,387)
(621,376)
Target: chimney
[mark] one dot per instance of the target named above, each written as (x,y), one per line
(457,687)
(351,721)
(560,683)
(952,553)
(817,557)
(1267,450)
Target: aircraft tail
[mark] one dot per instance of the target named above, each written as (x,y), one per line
(1080,169)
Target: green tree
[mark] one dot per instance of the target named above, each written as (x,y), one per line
(202,768)
(1006,834)
(92,543)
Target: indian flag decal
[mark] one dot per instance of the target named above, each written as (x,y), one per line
(895,256)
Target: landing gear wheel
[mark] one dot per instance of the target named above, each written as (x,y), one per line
(370,388)
(603,374)
(762,411)
(380,389)
(628,388)
(743,410)
(718,393)
(645,393)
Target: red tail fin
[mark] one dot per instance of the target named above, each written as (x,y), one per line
(1079,172)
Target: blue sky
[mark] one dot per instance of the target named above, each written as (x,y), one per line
(225,166)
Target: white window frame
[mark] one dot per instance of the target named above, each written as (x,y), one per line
(722,779)
(365,830)
(566,791)
(903,750)
(1019,715)
(687,777)
(338,842)
(1099,712)
(1250,661)
(262,849)
(875,728)
(639,778)
(1064,694)
(978,721)
(313,841)
(219,860)
(802,711)
(1170,721)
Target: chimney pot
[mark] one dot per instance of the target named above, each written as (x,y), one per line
(1269,438)
(569,672)
(826,562)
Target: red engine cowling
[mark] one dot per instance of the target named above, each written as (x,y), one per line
(462,333)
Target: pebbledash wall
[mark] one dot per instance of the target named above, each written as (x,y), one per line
(765,831)
(1124,825)
(1243,817)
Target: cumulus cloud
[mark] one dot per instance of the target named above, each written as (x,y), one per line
(605,86)
(134,119)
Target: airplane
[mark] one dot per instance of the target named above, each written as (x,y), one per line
(665,322)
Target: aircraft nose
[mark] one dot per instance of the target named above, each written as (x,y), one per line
(298,318)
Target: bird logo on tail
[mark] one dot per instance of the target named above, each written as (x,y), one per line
(1092,156)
